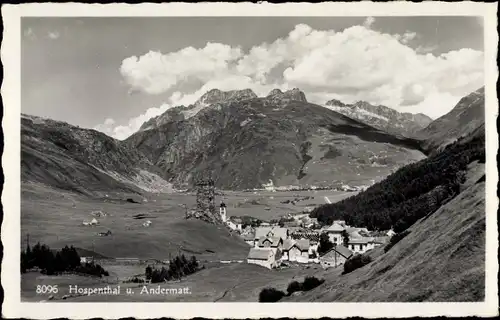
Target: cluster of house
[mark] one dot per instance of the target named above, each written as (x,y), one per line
(298,238)
(273,245)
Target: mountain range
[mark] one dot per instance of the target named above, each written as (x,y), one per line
(242,141)
(382,117)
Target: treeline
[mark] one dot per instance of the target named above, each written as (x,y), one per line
(178,267)
(50,263)
(410,193)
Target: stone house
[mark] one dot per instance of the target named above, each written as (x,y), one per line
(335,257)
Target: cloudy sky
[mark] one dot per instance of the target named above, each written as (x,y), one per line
(113,74)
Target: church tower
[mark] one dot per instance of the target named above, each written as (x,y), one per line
(222,212)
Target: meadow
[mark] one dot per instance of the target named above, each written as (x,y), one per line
(56,218)
(217,283)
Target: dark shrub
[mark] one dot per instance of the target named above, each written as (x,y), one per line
(356,262)
(311,283)
(149,272)
(178,267)
(395,239)
(293,287)
(270,295)
(92,269)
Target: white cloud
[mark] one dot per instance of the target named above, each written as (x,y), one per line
(54,35)
(369,22)
(122,132)
(155,72)
(408,36)
(357,63)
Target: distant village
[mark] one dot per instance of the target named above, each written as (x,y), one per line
(274,245)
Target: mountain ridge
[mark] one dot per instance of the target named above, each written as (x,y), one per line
(382,117)
(243,140)
(83,160)
(467,116)
(189,142)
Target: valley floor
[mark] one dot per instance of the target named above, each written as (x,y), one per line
(56,218)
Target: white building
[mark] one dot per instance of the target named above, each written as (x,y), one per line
(360,245)
(265,257)
(335,233)
(296,250)
(235,224)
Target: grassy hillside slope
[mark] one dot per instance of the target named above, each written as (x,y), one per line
(440,260)
(84,161)
(56,218)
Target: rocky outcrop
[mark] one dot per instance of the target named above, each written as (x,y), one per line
(279,98)
(382,117)
(217,96)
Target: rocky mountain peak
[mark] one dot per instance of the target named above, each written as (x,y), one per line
(362,104)
(218,96)
(274,92)
(294,94)
(381,117)
(336,103)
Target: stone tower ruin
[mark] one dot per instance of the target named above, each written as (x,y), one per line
(205,196)
(205,202)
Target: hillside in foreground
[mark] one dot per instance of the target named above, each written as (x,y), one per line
(442,259)
(438,205)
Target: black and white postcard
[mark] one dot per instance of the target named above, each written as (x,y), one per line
(244,160)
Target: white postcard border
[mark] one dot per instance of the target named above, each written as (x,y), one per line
(10,54)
